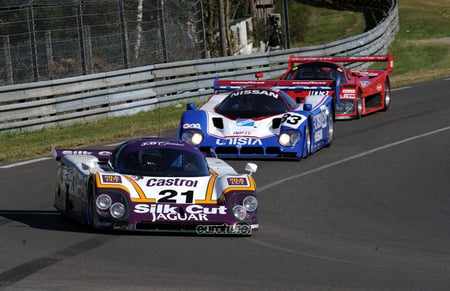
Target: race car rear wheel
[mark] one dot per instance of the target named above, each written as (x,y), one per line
(359,105)
(387,95)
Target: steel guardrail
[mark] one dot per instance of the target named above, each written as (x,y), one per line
(87,98)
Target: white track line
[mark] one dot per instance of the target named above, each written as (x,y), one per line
(276,183)
(328,258)
(25,163)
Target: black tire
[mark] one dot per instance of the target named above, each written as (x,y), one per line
(359,105)
(331,128)
(91,216)
(307,146)
(387,95)
(67,201)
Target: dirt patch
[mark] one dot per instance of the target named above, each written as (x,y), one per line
(443,40)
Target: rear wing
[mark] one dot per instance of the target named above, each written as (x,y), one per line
(285,85)
(385,58)
(289,85)
(101,155)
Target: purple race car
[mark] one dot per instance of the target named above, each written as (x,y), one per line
(153,184)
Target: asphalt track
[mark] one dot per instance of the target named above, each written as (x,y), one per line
(371,212)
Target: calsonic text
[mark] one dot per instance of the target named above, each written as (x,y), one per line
(172,182)
(167,212)
(321,120)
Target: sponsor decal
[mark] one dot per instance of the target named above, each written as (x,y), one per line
(242,132)
(165,212)
(111,179)
(245,122)
(223,229)
(348,96)
(256,92)
(321,120)
(348,91)
(162,143)
(237,181)
(84,152)
(318,136)
(155,182)
(379,87)
(318,93)
(238,141)
(192,125)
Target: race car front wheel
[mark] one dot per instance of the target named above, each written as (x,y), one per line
(359,105)
(307,149)
(330,127)
(91,214)
(387,95)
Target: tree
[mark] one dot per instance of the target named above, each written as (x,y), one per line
(217,16)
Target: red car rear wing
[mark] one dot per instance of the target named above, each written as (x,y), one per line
(386,58)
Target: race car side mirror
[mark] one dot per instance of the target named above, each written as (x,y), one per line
(251,167)
(307,107)
(190,106)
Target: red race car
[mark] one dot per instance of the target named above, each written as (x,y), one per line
(356,93)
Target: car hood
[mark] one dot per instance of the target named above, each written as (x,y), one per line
(221,126)
(180,190)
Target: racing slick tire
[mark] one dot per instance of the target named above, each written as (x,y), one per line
(91,215)
(330,132)
(307,145)
(387,95)
(66,211)
(359,105)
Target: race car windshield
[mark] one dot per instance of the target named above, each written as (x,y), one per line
(252,103)
(163,162)
(315,71)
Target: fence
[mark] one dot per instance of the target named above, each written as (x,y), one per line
(124,92)
(48,39)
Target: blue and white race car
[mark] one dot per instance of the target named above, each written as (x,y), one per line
(257,119)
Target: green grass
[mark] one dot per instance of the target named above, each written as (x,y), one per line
(421,53)
(422,46)
(310,25)
(18,146)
